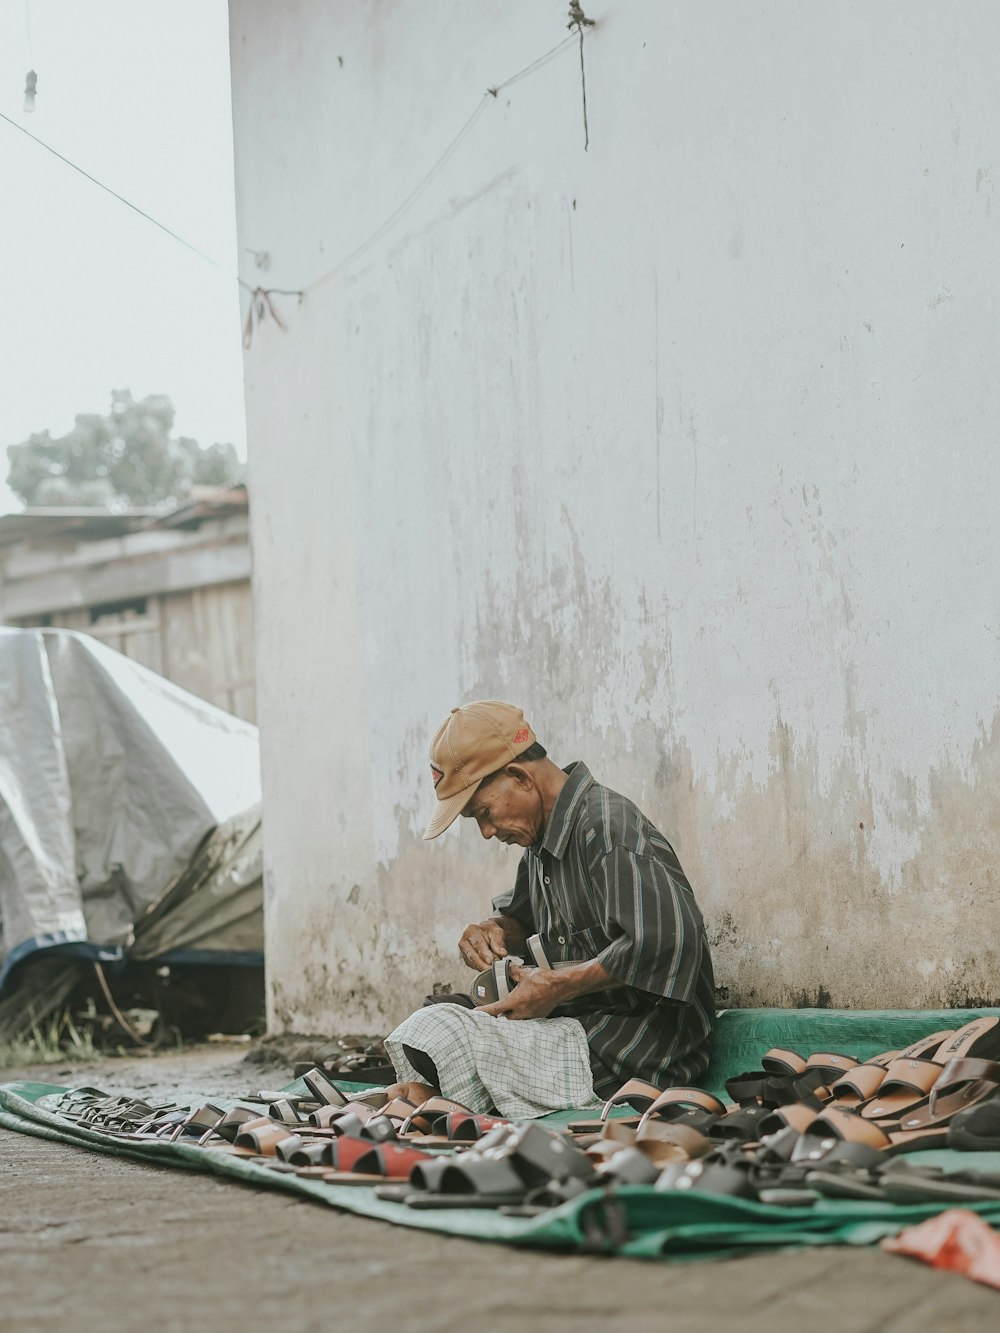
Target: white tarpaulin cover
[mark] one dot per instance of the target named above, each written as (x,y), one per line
(112,780)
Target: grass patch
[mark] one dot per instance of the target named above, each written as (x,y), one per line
(55,1042)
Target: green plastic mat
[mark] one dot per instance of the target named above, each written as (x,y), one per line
(633,1220)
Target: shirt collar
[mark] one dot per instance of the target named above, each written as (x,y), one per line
(564,814)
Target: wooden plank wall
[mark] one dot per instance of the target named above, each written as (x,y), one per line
(206,642)
(201,639)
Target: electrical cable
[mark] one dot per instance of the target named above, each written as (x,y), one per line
(421,185)
(121,198)
(260,296)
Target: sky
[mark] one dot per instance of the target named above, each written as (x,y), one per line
(95,297)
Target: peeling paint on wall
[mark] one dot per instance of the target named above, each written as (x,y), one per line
(672,443)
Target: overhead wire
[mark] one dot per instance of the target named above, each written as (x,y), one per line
(121,198)
(411,198)
(260,297)
(433,170)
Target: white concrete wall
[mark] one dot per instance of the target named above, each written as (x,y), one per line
(687,443)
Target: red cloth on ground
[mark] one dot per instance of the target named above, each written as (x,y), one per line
(956,1240)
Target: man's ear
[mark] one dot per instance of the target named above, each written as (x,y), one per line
(522,775)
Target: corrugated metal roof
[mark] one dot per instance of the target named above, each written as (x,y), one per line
(66,523)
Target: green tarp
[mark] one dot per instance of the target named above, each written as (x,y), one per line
(633,1220)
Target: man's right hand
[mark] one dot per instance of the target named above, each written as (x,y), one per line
(481,945)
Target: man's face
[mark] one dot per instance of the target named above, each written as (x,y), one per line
(509,808)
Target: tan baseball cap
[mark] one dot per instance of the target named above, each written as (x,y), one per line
(471,743)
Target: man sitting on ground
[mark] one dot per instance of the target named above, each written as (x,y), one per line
(629,992)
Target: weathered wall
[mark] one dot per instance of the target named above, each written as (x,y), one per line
(686,442)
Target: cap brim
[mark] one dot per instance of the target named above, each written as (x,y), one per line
(449,810)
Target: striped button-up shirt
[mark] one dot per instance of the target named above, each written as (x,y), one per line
(605,884)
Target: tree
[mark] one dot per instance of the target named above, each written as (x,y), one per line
(127,459)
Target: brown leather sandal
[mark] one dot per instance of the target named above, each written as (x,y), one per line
(962,1084)
(906,1084)
(634,1093)
(859,1085)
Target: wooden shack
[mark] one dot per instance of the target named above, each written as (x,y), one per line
(170,590)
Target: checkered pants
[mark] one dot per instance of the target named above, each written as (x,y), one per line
(523,1068)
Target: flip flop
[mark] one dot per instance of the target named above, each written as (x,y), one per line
(458,1127)
(382,1162)
(198,1123)
(228,1126)
(629,1167)
(917,1132)
(425,1178)
(634,1093)
(613,1138)
(678,1104)
(256,1139)
(977,1128)
(859,1085)
(917,1050)
(962,1084)
(778,1089)
(318,1152)
(798,1118)
(979,1039)
(286,1149)
(907,1083)
(709,1178)
(835,1125)
(385,1124)
(325,1092)
(495,983)
(398,1109)
(284,1112)
(373,1068)
(779,1061)
(741,1125)
(525,1158)
(831,1064)
(924,1049)
(859,1080)
(327,1116)
(665,1141)
(163,1122)
(925,1187)
(421,1119)
(315,1161)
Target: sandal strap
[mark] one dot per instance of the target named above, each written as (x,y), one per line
(864,1081)
(910,1076)
(646,1093)
(779,1061)
(957,1072)
(682,1097)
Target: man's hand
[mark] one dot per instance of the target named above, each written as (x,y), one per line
(538,991)
(481,945)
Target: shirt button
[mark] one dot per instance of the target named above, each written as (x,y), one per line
(547,880)
(562,939)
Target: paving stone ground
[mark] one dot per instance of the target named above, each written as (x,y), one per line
(92,1242)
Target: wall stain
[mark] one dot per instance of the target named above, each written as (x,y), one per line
(798,913)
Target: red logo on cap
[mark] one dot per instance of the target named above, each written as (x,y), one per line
(437,774)
(522,736)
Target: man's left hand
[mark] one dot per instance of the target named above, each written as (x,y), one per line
(535,995)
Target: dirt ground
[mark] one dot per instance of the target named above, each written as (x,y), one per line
(99,1243)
